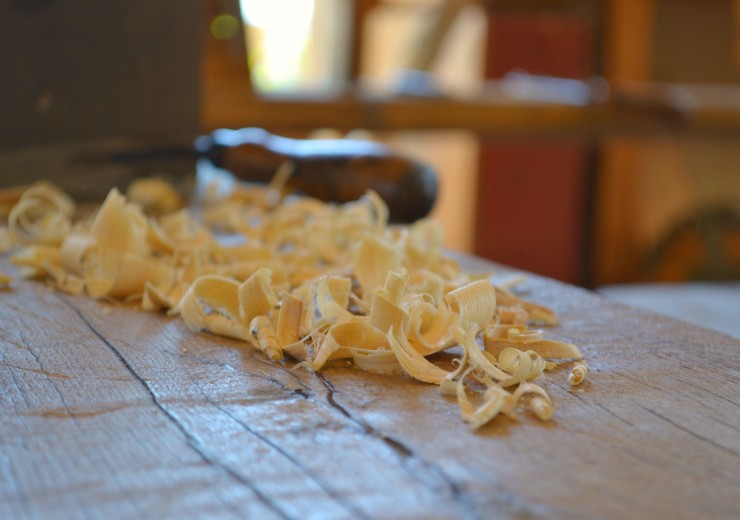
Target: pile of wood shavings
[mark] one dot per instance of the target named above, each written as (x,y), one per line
(298,277)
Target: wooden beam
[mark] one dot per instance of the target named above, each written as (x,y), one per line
(716,114)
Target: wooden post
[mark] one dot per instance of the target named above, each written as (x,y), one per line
(628,57)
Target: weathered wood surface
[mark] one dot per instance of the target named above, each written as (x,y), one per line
(109,412)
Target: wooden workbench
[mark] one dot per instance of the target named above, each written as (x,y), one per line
(109,412)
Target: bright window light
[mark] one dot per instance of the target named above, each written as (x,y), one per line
(278,40)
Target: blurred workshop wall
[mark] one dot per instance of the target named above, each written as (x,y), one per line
(595,209)
(669,207)
(79,70)
(81,77)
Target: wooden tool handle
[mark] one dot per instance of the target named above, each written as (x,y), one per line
(336,170)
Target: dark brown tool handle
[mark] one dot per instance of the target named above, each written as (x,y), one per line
(337,170)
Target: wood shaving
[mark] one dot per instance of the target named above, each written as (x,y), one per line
(155,196)
(578,374)
(300,278)
(42,215)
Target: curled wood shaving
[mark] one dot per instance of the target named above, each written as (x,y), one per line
(494,400)
(5,279)
(385,315)
(212,303)
(413,363)
(42,215)
(289,319)
(119,226)
(523,366)
(155,196)
(498,338)
(374,259)
(266,339)
(7,240)
(578,374)
(477,359)
(539,403)
(474,302)
(300,278)
(380,361)
(256,296)
(535,312)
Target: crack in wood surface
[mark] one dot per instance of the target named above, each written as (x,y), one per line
(691,432)
(46,373)
(265,377)
(396,446)
(406,453)
(321,483)
(65,406)
(43,370)
(283,369)
(261,375)
(190,439)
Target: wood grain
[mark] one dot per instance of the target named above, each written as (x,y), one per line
(109,412)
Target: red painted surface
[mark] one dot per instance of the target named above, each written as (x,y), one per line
(531,207)
(531,210)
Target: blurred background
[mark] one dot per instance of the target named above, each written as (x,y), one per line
(631,173)
(593,141)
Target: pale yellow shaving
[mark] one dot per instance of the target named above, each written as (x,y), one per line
(261,330)
(290,318)
(155,196)
(384,315)
(256,296)
(578,374)
(373,260)
(476,357)
(539,404)
(212,304)
(546,348)
(332,299)
(523,366)
(430,326)
(494,400)
(154,299)
(42,215)
(6,240)
(423,245)
(380,361)
(535,312)
(413,363)
(120,226)
(474,302)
